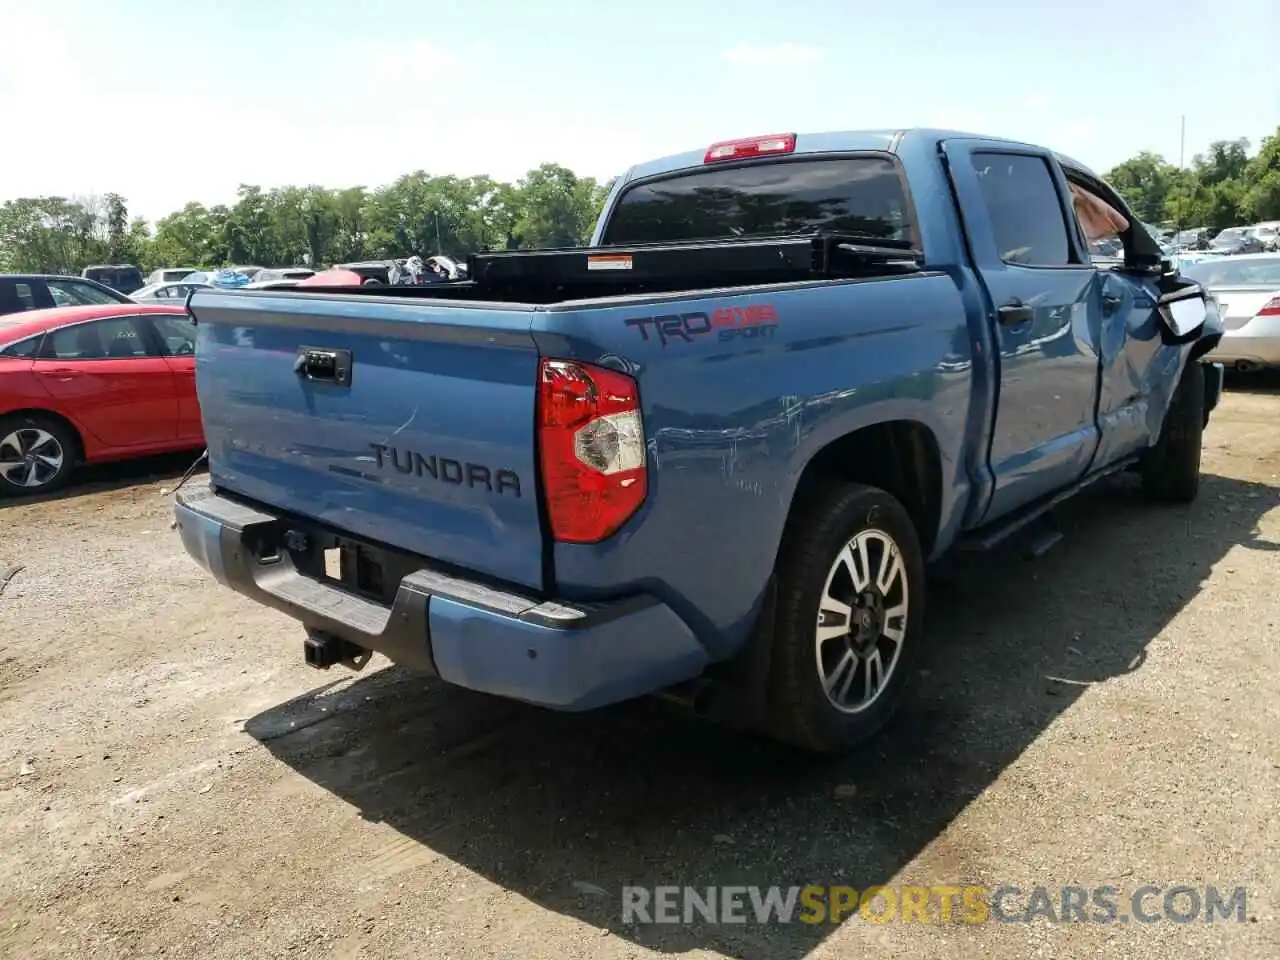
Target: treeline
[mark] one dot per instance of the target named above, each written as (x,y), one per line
(551,206)
(1223,187)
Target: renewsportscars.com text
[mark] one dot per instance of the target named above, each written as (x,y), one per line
(932,904)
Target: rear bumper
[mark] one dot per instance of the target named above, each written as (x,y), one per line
(559,655)
(1257,341)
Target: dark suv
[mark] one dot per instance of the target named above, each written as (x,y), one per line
(124,277)
(36,291)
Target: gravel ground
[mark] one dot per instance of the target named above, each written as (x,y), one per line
(173,780)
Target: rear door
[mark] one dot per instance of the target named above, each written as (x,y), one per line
(107,375)
(405,422)
(1045,301)
(176,336)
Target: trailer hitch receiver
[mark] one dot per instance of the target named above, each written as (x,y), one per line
(323,650)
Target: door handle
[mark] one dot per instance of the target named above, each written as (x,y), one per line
(65,373)
(322,365)
(1110,304)
(1012,314)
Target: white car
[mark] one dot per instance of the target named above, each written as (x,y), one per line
(1247,288)
(165,292)
(1269,234)
(169,275)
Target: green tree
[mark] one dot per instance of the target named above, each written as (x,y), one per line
(49,235)
(249,235)
(1222,187)
(558,208)
(1260,198)
(1224,162)
(193,237)
(1145,182)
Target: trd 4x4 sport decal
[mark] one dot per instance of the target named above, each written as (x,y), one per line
(727,323)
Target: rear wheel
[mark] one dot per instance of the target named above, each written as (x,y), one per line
(37,453)
(1171,469)
(849,616)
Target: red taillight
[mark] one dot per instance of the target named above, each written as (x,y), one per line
(1271,308)
(751,147)
(592,447)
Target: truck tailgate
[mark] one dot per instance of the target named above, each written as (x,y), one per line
(410,423)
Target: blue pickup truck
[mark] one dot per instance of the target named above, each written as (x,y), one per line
(712,454)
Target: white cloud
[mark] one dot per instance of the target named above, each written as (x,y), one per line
(785,54)
(1036,101)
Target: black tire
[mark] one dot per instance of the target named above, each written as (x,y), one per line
(1171,469)
(62,444)
(800,710)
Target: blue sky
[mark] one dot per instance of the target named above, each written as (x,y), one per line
(172,101)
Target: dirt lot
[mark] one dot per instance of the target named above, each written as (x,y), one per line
(173,780)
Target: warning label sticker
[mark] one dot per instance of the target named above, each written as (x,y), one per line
(608,262)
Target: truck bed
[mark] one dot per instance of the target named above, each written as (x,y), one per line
(407,415)
(553,276)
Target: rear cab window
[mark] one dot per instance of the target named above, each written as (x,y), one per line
(863,195)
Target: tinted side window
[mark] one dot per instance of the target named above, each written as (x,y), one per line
(1026,213)
(114,339)
(862,195)
(16,296)
(69,293)
(23,348)
(178,334)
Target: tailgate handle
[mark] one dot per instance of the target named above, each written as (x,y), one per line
(322,365)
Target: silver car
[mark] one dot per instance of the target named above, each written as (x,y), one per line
(1269,234)
(275,275)
(168,275)
(1247,289)
(166,292)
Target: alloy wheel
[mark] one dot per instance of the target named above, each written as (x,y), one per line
(862,621)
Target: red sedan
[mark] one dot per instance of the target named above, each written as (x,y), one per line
(90,384)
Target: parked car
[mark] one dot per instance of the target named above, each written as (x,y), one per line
(165,292)
(1108,249)
(34,291)
(336,277)
(124,277)
(377,270)
(250,273)
(169,275)
(711,454)
(89,384)
(1268,235)
(271,284)
(283,273)
(223,277)
(1247,289)
(1236,240)
(1196,238)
